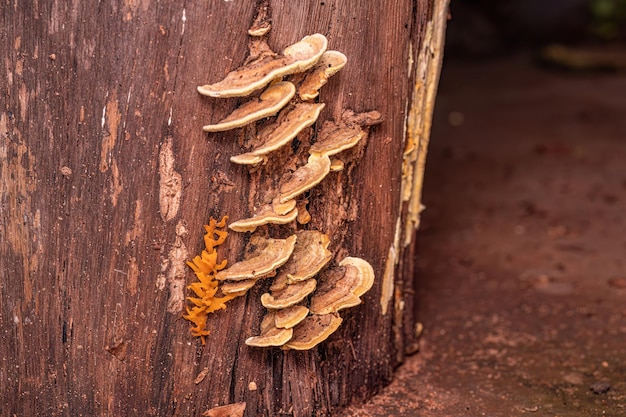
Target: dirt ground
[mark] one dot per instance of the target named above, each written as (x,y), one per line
(522,248)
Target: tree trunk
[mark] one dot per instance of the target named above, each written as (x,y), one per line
(107,179)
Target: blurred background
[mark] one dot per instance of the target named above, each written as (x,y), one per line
(522,246)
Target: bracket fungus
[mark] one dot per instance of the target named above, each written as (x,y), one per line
(342,287)
(301,313)
(265,216)
(257,74)
(291,295)
(268,104)
(305,177)
(281,133)
(268,256)
(270,334)
(309,256)
(290,317)
(312,331)
(329,64)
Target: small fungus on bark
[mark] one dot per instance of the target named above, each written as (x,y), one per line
(328,65)
(280,133)
(265,216)
(342,287)
(304,178)
(270,254)
(290,317)
(270,334)
(312,331)
(291,295)
(268,104)
(309,256)
(258,73)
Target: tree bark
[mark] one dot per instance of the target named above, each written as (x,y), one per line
(107,179)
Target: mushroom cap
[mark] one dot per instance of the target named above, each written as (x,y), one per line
(270,334)
(365,271)
(290,317)
(329,64)
(291,295)
(283,207)
(309,256)
(313,330)
(336,164)
(271,254)
(333,139)
(238,287)
(273,337)
(260,72)
(274,98)
(265,216)
(342,287)
(247,158)
(305,177)
(282,132)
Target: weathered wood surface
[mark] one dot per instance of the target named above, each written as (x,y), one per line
(107,179)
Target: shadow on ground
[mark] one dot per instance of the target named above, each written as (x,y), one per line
(522,250)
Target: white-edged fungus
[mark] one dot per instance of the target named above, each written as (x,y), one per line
(237,287)
(279,134)
(265,216)
(365,272)
(328,65)
(333,139)
(309,256)
(342,287)
(268,104)
(336,165)
(269,255)
(270,334)
(305,177)
(290,317)
(282,208)
(258,73)
(291,295)
(304,216)
(313,330)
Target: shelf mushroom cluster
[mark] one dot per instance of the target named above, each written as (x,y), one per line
(306,294)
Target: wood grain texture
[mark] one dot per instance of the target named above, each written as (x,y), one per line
(107,179)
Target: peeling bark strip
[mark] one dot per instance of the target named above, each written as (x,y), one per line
(169,183)
(93,218)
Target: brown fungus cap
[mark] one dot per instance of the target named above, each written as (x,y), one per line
(237,287)
(309,256)
(283,207)
(328,65)
(342,287)
(279,134)
(305,177)
(265,216)
(273,337)
(268,104)
(333,139)
(270,334)
(291,295)
(313,330)
(270,254)
(290,317)
(258,73)
(365,272)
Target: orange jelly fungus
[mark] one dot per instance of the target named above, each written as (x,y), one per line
(205,267)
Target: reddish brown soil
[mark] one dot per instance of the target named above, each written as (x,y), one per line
(522,249)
